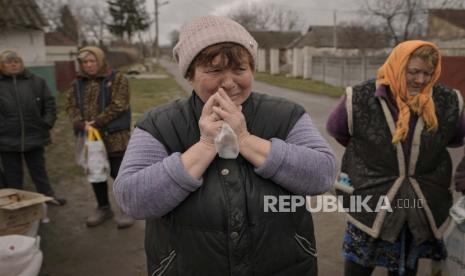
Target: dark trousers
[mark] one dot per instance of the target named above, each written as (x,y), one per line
(2,175)
(12,163)
(101,188)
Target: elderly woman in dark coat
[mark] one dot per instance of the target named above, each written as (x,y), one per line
(396,130)
(27,113)
(100,98)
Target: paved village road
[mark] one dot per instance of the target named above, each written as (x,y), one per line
(329,227)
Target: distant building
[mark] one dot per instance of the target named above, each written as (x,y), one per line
(446,28)
(21,29)
(446,24)
(273,43)
(274,39)
(341,37)
(61,50)
(338,55)
(60,47)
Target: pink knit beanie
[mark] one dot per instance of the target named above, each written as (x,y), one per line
(206,31)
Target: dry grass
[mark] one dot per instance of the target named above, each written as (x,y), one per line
(299,84)
(145,94)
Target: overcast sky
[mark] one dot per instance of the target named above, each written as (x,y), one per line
(313,12)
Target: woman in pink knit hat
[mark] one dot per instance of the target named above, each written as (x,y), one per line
(206,208)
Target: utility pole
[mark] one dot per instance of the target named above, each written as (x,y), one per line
(156,30)
(334,29)
(157,46)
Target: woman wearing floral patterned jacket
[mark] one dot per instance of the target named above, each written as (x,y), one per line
(100,98)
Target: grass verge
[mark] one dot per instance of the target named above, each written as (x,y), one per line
(299,84)
(145,94)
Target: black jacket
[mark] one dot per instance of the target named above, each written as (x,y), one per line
(27,112)
(221,228)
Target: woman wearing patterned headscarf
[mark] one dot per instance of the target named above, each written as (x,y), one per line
(100,98)
(396,130)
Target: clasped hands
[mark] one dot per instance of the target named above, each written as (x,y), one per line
(220,108)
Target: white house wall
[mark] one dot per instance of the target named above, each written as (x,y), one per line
(61,53)
(261,60)
(297,62)
(274,61)
(30,44)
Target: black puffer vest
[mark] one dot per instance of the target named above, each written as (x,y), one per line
(222,229)
(376,167)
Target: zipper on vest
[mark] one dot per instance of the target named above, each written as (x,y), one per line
(164,264)
(306,245)
(20,110)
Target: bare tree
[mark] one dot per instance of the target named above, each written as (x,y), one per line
(266,17)
(89,20)
(93,23)
(286,20)
(68,24)
(405,19)
(252,16)
(362,36)
(51,10)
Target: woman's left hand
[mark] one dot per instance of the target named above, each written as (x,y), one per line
(231,114)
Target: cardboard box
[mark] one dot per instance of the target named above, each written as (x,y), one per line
(19,208)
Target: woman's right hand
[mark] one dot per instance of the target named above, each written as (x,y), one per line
(89,124)
(198,157)
(209,123)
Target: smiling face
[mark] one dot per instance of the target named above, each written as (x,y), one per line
(418,74)
(226,66)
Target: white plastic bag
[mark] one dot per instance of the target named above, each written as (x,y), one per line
(454,239)
(97,166)
(79,150)
(455,244)
(20,255)
(226,142)
(457,212)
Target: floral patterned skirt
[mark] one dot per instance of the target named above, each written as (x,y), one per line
(361,248)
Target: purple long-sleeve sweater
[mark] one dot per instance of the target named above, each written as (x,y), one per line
(151,183)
